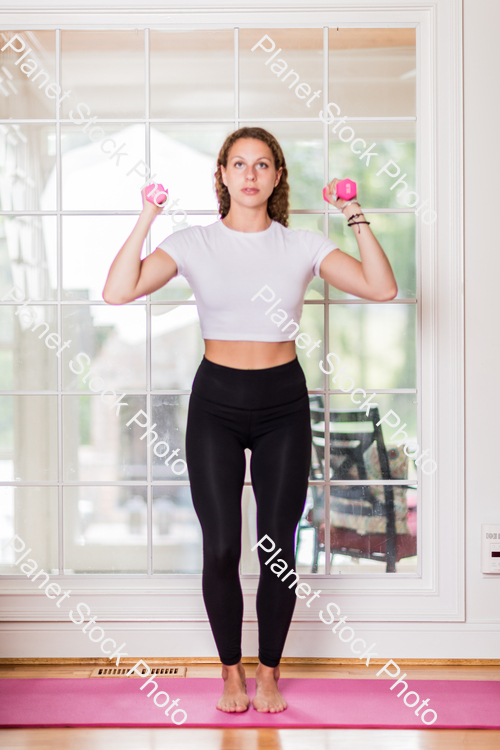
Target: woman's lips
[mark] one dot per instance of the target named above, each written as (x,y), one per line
(250,191)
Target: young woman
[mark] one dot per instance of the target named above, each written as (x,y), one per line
(249,390)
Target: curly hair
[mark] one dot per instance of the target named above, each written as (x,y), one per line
(277,204)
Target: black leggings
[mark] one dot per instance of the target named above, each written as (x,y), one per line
(266,411)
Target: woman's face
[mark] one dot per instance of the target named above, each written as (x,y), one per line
(250,175)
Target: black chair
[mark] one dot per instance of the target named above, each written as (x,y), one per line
(346,451)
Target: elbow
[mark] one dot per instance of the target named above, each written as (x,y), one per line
(108,298)
(114,299)
(387,294)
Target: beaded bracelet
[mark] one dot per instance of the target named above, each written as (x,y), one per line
(358,222)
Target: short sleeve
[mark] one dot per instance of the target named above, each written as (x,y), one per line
(178,245)
(318,247)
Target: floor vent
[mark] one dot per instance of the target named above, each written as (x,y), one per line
(122,672)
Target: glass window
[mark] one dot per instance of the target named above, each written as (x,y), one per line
(372,72)
(89,245)
(177,541)
(27,171)
(107,343)
(105,388)
(104,70)
(192,74)
(376,344)
(105,530)
(29,347)
(29,438)
(391,148)
(281,61)
(27,69)
(28,258)
(176,346)
(99,445)
(396,234)
(181,151)
(106,174)
(24,512)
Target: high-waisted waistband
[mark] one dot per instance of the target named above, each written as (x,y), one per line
(250,389)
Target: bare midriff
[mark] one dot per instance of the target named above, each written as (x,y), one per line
(249,355)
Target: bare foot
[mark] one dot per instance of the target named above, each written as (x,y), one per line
(267,696)
(234,698)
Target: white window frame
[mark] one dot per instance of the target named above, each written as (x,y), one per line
(437,592)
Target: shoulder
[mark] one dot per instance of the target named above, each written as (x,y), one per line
(184,238)
(308,238)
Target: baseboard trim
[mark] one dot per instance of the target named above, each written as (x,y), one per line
(69,661)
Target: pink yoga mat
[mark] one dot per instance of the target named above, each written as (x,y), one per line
(119,702)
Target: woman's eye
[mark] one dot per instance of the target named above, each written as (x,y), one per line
(261,164)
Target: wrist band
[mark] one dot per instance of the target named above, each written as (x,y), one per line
(353,200)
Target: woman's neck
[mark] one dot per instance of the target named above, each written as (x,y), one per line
(247,220)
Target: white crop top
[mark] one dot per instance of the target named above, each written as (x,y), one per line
(226,268)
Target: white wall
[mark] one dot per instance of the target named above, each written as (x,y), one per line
(478,636)
(482,298)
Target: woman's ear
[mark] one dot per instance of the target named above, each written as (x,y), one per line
(222,172)
(278,176)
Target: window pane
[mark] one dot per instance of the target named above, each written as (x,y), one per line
(27,173)
(375,343)
(396,234)
(192,73)
(311,324)
(187,155)
(23,85)
(314,223)
(302,145)
(176,346)
(105,530)
(98,445)
(308,559)
(358,525)
(25,511)
(357,512)
(107,342)
(372,72)
(89,246)
(274,89)
(391,141)
(103,176)
(28,438)
(28,257)
(169,456)
(395,433)
(28,358)
(104,71)
(178,287)
(177,540)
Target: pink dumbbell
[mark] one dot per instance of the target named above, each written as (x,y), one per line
(345,189)
(157,190)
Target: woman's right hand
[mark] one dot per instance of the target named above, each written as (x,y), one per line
(150,209)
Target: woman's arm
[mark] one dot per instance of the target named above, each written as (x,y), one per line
(130,277)
(372,278)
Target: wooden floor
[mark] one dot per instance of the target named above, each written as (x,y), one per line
(256,739)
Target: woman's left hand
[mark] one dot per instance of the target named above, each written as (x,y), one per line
(330,192)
